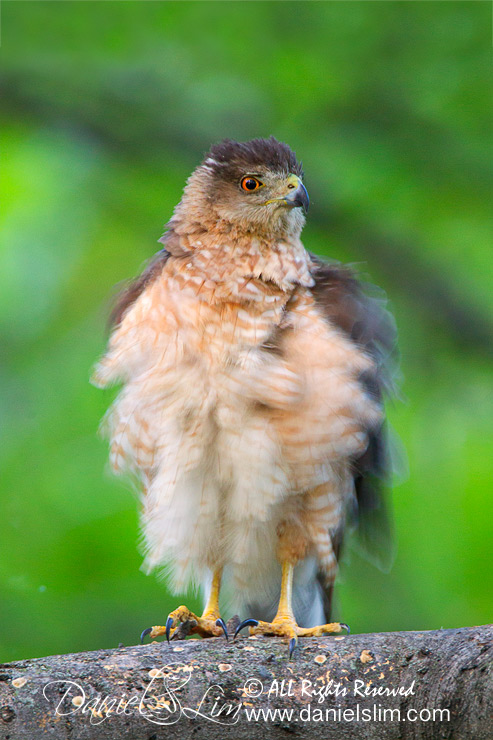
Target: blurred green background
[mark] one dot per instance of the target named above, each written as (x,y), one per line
(106,108)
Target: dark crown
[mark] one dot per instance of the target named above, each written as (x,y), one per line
(230,159)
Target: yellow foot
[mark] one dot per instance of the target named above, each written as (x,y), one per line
(285,626)
(209,624)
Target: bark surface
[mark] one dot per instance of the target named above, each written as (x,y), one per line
(376,686)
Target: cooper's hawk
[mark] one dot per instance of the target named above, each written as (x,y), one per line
(251,408)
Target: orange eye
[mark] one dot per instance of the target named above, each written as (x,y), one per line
(250,184)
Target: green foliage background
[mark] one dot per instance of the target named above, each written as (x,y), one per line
(106,108)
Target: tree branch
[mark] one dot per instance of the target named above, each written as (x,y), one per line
(384,686)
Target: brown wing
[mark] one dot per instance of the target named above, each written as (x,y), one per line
(127,297)
(359,310)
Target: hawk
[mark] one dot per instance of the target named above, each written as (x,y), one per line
(251,407)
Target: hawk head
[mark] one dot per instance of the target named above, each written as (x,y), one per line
(248,187)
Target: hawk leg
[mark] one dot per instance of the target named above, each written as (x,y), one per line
(284,623)
(210,624)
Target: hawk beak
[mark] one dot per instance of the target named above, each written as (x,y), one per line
(298,197)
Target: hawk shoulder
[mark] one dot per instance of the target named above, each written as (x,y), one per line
(134,288)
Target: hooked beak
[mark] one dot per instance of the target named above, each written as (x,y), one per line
(297,196)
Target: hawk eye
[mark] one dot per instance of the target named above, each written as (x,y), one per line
(250,184)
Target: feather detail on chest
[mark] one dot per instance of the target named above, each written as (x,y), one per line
(231,295)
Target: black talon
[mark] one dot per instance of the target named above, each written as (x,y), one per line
(221,623)
(346,627)
(246,623)
(144,633)
(292,644)
(169,624)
